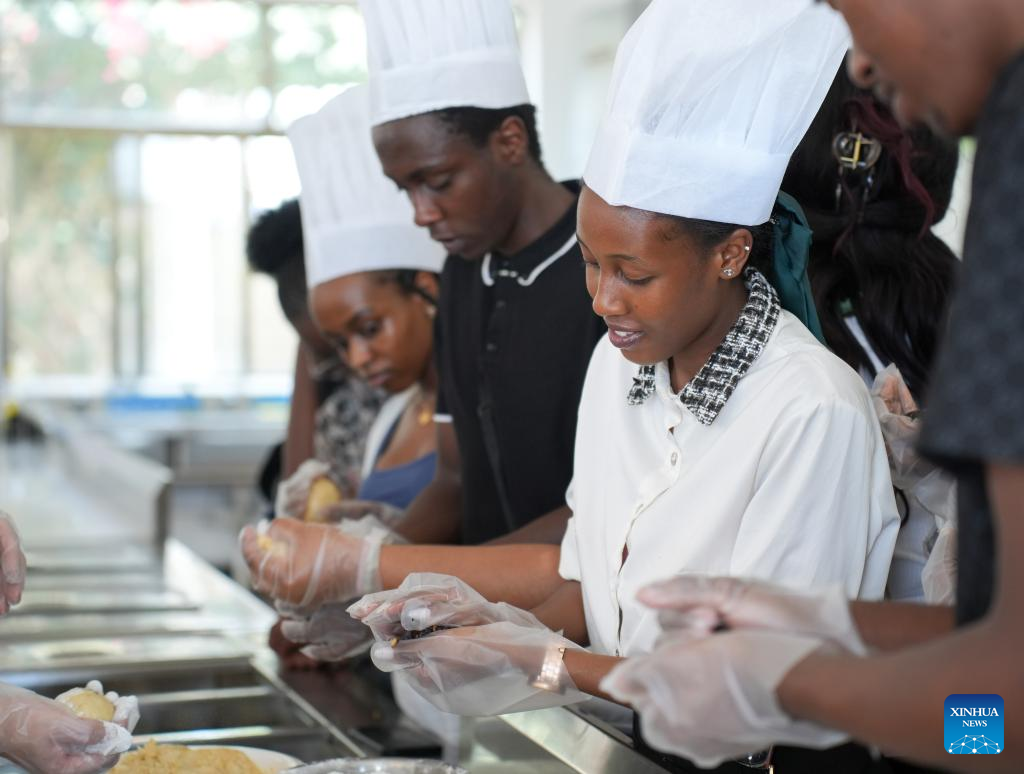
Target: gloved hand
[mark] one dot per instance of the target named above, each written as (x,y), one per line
(370,527)
(308,565)
(354,510)
(698,604)
(329,634)
(12,564)
(924,483)
(712,698)
(126,708)
(45,737)
(288,653)
(897,413)
(486,659)
(426,600)
(293,493)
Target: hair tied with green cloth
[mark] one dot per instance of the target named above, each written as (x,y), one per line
(792,249)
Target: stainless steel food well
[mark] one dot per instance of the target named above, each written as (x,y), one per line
(377,766)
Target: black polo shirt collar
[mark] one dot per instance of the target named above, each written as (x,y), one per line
(528,264)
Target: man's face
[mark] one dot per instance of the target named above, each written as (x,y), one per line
(464,194)
(929,59)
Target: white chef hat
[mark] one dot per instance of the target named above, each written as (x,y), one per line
(429,55)
(708,101)
(353,218)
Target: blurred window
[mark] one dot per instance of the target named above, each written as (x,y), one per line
(138,139)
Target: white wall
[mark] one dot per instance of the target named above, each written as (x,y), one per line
(568,50)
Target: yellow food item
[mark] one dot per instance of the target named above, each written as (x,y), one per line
(174,759)
(89,704)
(268,545)
(322,493)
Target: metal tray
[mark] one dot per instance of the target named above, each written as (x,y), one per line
(377,766)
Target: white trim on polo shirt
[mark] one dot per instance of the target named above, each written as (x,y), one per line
(488,278)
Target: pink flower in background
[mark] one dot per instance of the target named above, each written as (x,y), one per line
(20,26)
(126,38)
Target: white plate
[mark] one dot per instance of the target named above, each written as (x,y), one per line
(269,761)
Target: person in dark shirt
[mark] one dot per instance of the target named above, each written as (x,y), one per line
(515,329)
(791,663)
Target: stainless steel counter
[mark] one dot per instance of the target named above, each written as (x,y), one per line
(107,598)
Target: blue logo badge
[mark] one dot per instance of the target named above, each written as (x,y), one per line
(974,724)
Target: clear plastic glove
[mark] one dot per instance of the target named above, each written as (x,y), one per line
(329,634)
(463,654)
(426,600)
(126,708)
(44,736)
(697,605)
(899,418)
(288,653)
(897,413)
(484,670)
(929,487)
(12,565)
(370,527)
(712,699)
(293,493)
(308,565)
(355,510)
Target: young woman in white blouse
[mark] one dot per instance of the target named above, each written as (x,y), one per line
(716,435)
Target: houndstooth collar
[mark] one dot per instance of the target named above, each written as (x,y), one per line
(708,391)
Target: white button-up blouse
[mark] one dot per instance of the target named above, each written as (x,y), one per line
(784,478)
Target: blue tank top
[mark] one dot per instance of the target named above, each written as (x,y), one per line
(398,486)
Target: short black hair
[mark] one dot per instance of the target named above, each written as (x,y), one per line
(274,247)
(478,124)
(405,279)
(708,234)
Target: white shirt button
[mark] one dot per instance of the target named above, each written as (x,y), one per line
(674,458)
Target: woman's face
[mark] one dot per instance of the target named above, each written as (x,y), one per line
(384,332)
(655,291)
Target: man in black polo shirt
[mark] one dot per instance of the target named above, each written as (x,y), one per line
(515,329)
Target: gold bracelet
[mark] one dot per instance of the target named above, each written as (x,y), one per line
(550,674)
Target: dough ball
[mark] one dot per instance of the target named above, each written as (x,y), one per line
(322,493)
(89,704)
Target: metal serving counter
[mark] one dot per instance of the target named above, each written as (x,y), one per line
(109,597)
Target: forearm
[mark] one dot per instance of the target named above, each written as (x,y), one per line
(895,700)
(435,515)
(524,576)
(893,626)
(549,528)
(563,611)
(587,670)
